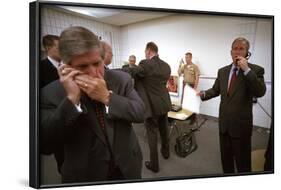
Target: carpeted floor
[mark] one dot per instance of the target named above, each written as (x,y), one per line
(204,161)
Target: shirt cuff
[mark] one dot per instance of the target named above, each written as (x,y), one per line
(78,107)
(106,109)
(202,94)
(247,71)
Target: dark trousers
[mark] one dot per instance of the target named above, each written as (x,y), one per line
(235,152)
(153,124)
(115,174)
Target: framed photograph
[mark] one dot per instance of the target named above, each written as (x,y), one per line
(91,118)
(173,85)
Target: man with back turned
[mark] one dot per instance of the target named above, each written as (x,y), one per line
(151,76)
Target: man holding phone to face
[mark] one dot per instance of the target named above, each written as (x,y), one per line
(89,111)
(237,84)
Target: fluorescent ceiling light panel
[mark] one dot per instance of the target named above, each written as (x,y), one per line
(93,12)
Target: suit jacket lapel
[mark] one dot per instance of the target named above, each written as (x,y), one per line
(109,131)
(108,123)
(52,67)
(109,82)
(225,82)
(92,119)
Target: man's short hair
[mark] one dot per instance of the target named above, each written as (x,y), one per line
(188,53)
(76,40)
(152,46)
(242,40)
(49,40)
(132,56)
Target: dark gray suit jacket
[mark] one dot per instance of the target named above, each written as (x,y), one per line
(85,149)
(128,65)
(151,76)
(235,113)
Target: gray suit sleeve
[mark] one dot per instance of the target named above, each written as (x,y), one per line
(129,106)
(55,123)
(214,91)
(255,82)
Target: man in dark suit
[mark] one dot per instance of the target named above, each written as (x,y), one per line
(89,111)
(151,76)
(48,67)
(48,73)
(237,84)
(132,62)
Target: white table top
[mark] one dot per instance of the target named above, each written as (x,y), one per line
(182,115)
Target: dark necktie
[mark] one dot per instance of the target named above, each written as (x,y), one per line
(232,81)
(99,109)
(99,113)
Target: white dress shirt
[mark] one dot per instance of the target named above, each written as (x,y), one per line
(231,71)
(55,63)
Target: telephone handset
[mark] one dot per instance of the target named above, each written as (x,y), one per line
(247,57)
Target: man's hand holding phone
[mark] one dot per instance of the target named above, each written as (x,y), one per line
(242,63)
(67,75)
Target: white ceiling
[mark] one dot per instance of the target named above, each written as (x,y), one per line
(116,17)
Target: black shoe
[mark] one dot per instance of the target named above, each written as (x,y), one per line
(149,166)
(165,153)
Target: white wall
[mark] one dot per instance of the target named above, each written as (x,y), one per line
(55,21)
(209,38)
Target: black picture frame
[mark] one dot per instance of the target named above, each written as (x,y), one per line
(35,56)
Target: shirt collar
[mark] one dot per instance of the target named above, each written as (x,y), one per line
(156,55)
(233,66)
(54,62)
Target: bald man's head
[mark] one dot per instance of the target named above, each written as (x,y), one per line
(106,53)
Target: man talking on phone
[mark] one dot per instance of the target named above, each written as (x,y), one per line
(89,111)
(237,84)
